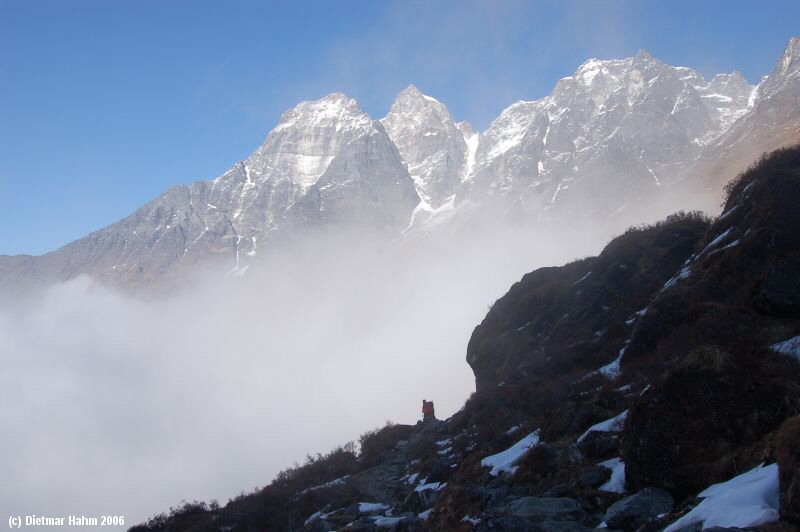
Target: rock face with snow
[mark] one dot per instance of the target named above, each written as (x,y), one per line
(772,121)
(605,136)
(431,144)
(326,163)
(610,142)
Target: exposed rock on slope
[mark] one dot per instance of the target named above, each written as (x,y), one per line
(577,318)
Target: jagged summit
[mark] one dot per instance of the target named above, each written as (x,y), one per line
(307,138)
(771,120)
(786,70)
(604,144)
(412,100)
(791,56)
(430,143)
(555,156)
(412,92)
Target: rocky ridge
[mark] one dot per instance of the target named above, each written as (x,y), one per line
(619,139)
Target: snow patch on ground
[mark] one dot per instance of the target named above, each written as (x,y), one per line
(387,522)
(613,369)
(370,507)
(582,278)
(714,243)
(683,274)
(313,517)
(435,486)
(613,424)
(615,484)
(749,499)
(505,461)
(790,347)
(727,213)
(337,482)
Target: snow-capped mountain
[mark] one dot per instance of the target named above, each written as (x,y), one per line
(609,138)
(434,147)
(772,120)
(326,162)
(605,135)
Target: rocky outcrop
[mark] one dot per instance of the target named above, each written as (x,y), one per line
(577,318)
(638,509)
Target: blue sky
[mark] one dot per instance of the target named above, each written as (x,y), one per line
(105,104)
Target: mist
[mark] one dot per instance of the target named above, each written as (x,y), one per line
(117,404)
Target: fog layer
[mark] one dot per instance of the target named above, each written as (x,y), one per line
(118,405)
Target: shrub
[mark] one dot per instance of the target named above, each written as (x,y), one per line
(377,442)
(703,421)
(319,469)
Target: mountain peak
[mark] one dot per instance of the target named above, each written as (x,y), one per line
(429,142)
(413,94)
(790,57)
(411,90)
(333,102)
(331,109)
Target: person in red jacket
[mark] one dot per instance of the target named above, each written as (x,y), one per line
(427,410)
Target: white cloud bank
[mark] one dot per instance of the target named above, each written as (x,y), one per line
(114,405)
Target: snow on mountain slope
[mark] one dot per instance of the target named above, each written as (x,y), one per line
(430,142)
(325,162)
(604,136)
(771,121)
(608,143)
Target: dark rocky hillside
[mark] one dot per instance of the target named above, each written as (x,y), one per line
(669,363)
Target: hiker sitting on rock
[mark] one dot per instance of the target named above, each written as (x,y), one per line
(427,410)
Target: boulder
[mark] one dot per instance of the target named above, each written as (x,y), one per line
(559,490)
(544,508)
(635,510)
(594,476)
(599,444)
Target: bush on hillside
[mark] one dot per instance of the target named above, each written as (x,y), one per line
(704,421)
(377,442)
